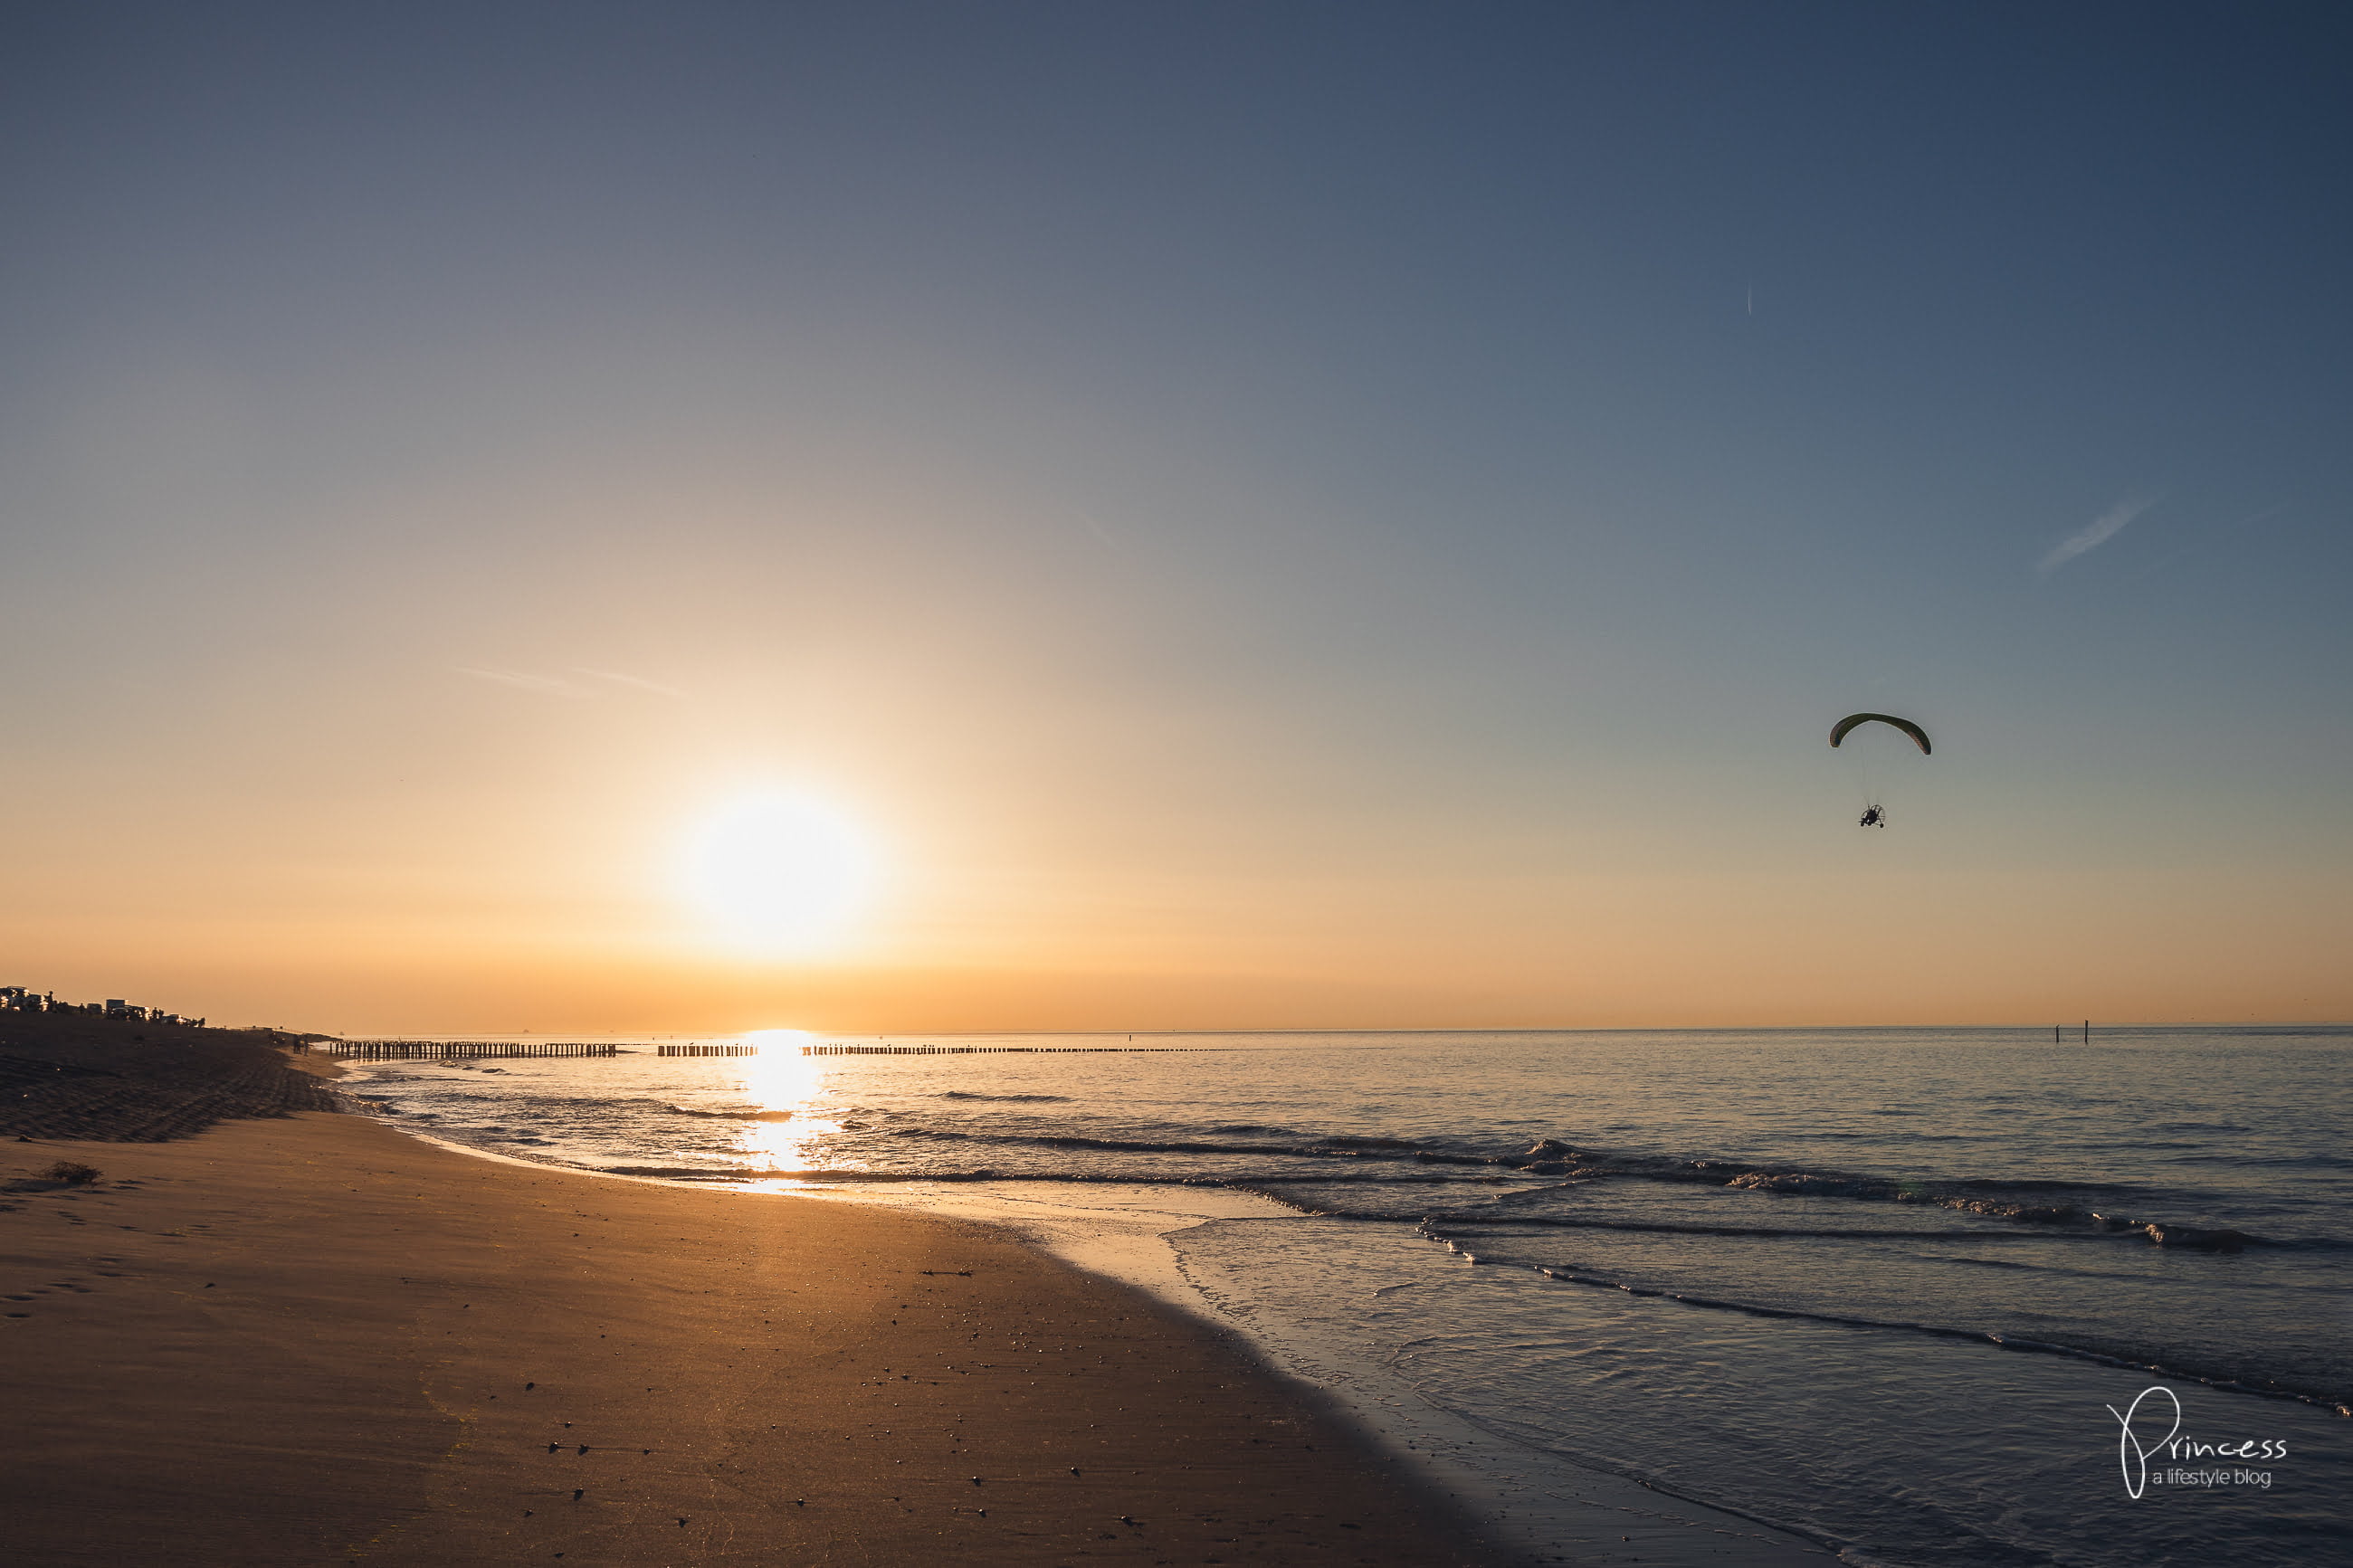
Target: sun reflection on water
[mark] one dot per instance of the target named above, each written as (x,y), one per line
(781,1083)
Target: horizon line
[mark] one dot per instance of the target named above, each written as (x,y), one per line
(1447,1029)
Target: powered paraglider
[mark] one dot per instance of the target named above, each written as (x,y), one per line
(1875,815)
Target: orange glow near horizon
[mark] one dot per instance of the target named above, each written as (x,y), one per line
(926,803)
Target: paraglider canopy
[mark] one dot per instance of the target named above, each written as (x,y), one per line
(1919,736)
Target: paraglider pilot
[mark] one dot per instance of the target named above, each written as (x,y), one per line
(1874,817)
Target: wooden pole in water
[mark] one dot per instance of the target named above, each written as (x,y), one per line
(2087,1031)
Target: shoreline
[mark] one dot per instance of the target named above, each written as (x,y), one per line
(1524,1504)
(317,1338)
(1495,1388)
(1540,1505)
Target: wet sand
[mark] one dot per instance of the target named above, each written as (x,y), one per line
(314,1339)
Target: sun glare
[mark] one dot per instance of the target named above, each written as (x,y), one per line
(778,873)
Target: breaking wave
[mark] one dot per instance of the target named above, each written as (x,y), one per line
(1007,1099)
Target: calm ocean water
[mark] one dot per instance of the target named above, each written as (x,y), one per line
(1887,1290)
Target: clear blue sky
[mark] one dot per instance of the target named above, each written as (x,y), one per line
(1416,471)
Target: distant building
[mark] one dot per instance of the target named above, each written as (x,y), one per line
(25,999)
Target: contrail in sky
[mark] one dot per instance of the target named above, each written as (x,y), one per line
(2105,527)
(548,685)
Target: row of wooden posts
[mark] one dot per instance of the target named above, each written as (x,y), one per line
(471,1050)
(982,1050)
(421,1050)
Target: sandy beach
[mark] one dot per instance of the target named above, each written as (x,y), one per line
(311,1339)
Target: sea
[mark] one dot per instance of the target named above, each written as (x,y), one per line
(1905,1298)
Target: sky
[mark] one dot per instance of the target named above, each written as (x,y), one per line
(1176,515)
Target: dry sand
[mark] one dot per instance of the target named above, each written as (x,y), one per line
(314,1339)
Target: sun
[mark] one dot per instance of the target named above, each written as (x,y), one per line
(778,873)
